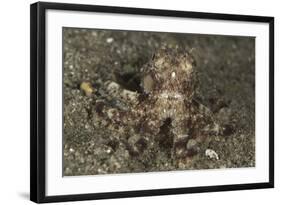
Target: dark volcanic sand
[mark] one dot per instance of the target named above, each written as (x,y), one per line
(226,68)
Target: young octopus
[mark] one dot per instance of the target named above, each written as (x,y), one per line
(168,84)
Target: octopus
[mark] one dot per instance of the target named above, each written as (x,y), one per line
(168,83)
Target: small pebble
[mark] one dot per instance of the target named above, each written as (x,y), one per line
(94,33)
(109,40)
(67,171)
(87,88)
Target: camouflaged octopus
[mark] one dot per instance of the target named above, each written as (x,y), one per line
(168,84)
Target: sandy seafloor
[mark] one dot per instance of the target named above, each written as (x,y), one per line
(226,67)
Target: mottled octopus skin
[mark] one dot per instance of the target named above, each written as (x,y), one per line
(168,81)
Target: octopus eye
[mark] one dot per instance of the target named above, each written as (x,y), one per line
(148,83)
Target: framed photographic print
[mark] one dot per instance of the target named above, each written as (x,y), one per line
(129,102)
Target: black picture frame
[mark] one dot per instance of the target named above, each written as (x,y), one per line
(38,101)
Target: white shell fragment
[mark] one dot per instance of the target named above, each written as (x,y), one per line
(109,40)
(211,154)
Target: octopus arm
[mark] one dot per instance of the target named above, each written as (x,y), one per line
(204,119)
(117,92)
